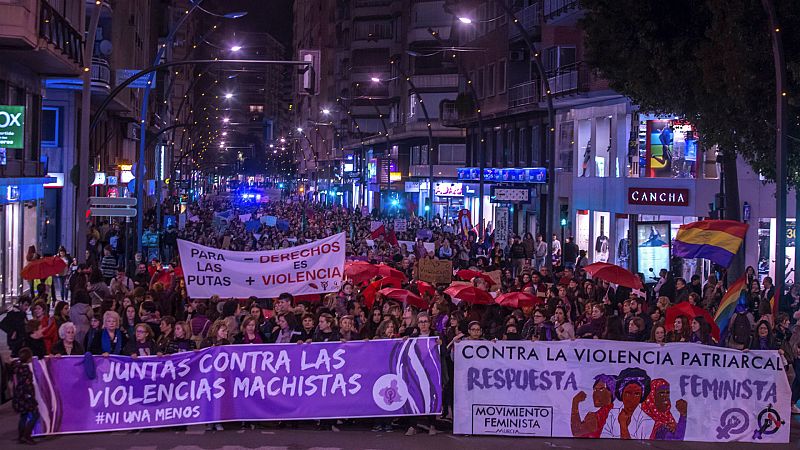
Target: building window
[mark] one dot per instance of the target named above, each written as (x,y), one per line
(501,76)
(452,154)
(490,80)
(510,148)
(51,126)
(480,81)
(523,146)
(481,19)
(559,57)
(256,108)
(412,106)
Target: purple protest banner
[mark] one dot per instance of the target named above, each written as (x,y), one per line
(239,382)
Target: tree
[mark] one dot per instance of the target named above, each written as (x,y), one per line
(708,60)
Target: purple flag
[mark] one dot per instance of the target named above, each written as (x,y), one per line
(240,382)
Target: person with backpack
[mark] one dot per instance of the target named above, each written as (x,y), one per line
(200,324)
(740,329)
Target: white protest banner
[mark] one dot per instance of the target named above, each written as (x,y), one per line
(313,268)
(629,390)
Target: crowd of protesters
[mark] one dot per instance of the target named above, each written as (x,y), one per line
(105,310)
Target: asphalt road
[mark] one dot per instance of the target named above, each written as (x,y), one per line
(305,436)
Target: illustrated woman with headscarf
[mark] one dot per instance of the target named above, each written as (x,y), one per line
(659,407)
(632,387)
(603,398)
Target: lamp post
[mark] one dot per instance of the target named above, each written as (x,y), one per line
(424,108)
(82,197)
(476,100)
(140,164)
(780,153)
(551,118)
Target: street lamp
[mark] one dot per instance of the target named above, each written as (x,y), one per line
(326,111)
(224,133)
(299,130)
(465,20)
(236,48)
(226,119)
(228,96)
(375,80)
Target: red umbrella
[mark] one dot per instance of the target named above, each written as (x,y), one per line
(518,300)
(424,287)
(469,294)
(690,312)
(614,274)
(360,271)
(391,272)
(404,296)
(42,268)
(468,275)
(373,288)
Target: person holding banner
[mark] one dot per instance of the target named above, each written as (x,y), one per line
(142,343)
(110,339)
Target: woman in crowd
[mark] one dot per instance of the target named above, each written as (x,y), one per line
(182,340)
(763,338)
(217,335)
(658,335)
(595,328)
(110,339)
(47,324)
(67,345)
(564,329)
(308,325)
(141,343)
(636,330)
(61,313)
(701,331)
(250,333)
(167,333)
(681,332)
(285,331)
(129,321)
(347,331)
(325,331)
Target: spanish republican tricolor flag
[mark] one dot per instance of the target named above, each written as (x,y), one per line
(716,240)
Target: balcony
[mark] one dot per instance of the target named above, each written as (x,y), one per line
(556,10)
(101,75)
(531,18)
(449,80)
(27,25)
(569,79)
(524,94)
(363,8)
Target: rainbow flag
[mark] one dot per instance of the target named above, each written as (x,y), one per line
(716,240)
(737,294)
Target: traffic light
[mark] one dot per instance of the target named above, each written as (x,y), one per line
(427,204)
(564,215)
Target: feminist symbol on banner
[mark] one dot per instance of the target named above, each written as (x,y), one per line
(732,422)
(769,422)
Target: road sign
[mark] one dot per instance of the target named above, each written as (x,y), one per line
(112,201)
(112,212)
(139,83)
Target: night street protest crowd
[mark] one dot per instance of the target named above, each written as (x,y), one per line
(104,310)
